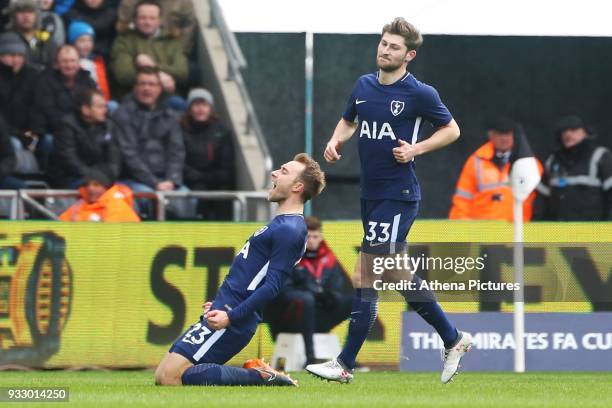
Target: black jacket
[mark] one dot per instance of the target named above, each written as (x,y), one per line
(17,97)
(80,147)
(209,160)
(151,143)
(102,20)
(7,155)
(577,184)
(54,99)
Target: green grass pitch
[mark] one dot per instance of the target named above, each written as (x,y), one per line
(374,389)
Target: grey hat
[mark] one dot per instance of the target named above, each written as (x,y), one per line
(200,94)
(11,43)
(21,5)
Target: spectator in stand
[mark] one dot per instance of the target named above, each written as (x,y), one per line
(84,142)
(177,19)
(82,36)
(150,139)
(102,201)
(51,23)
(16,85)
(577,182)
(16,99)
(147,46)
(209,146)
(55,91)
(317,295)
(483,189)
(8,181)
(101,17)
(25,22)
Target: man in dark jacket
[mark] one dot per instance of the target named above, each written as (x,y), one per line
(55,90)
(84,143)
(101,17)
(577,182)
(209,161)
(150,138)
(16,84)
(317,296)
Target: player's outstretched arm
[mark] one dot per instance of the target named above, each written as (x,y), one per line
(343,132)
(443,136)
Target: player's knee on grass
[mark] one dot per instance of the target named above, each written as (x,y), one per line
(171,369)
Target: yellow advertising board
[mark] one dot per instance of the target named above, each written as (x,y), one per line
(74,294)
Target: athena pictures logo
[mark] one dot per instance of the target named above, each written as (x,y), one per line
(35,298)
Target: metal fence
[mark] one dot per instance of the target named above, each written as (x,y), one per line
(17,203)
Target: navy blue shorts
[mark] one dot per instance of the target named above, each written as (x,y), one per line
(201,344)
(387,222)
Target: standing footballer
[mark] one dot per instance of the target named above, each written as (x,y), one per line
(388,108)
(256,277)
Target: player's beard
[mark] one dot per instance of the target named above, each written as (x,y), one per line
(390,66)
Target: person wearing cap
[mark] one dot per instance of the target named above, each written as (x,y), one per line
(84,142)
(83,36)
(209,147)
(577,182)
(102,200)
(101,16)
(148,46)
(25,21)
(483,189)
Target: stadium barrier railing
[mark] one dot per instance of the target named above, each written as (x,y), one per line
(41,199)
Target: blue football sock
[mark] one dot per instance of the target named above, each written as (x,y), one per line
(435,316)
(216,374)
(363,316)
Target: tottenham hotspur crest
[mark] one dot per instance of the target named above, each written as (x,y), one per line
(397,107)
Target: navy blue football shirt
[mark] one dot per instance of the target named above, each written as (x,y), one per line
(262,266)
(385,114)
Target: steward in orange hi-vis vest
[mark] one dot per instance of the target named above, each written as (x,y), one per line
(484,191)
(102,201)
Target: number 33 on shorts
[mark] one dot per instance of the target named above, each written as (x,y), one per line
(197,334)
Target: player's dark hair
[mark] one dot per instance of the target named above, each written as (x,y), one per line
(147,3)
(313,223)
(399,26)
(312,176)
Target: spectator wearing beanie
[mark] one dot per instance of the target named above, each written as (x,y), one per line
(82,36)
(101,16)
(209,147)
(16,84)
